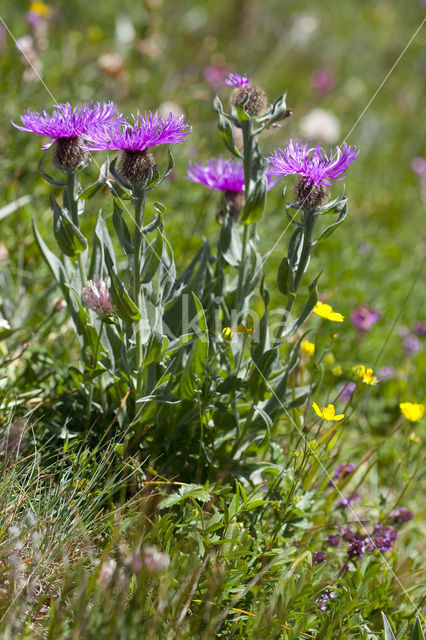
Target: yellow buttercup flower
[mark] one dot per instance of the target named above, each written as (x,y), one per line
(337,370)
(39,8)
(307,348)
(329,358)
(328,413)
(227,333)
(365,374)
(326,311)
(242,329)
(412,411)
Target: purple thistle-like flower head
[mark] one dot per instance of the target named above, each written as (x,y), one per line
(96,296)
(356,549)
(235,80)
(222,175)
(332,540)
(67,121)
(364,317)
(148,130)
(312,164)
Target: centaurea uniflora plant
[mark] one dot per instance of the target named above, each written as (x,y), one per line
(181,359)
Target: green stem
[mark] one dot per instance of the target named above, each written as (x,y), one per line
(308,228)
(89,407)
(247,131)
(139,203)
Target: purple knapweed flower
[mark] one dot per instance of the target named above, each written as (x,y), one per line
(96,296)
(347,501)
(419,328)
(411,345)
(400,515)
(318,557)
(135,140)
(67,121)
(327,595)
(148,130)
(215,75)
(386,373)
(315,168)
(227,176)
(322,80)
(346,390)
(235,80)
(364,317)
(332,540)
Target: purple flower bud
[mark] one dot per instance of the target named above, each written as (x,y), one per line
(386,373)
(400,515)
(364,317)
(318,557)
(332,540)
(419,328)
(346,390)
(356,549)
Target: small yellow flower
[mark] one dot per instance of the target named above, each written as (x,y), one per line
(337,370)
(227,333)
(328,413)
(307,348)
(365,374)
(242,329)
(412,411)
(326,311)
(414,438)
(329,358)
(39,8)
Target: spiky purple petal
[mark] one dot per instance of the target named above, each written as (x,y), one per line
(312,163)
(148,130)
(67,121)
(222,175)
(235,80)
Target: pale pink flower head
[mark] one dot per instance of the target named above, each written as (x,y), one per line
(96,296)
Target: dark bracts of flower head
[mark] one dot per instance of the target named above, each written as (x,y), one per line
(315,168)
(66,126)
(226,176)
(134,140)
(256,97)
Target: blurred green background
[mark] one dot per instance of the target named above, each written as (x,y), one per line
(352,60)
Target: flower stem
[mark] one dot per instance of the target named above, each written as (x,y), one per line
(308,227)
(139,204)
(247,131)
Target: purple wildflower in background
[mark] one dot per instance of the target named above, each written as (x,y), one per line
(148,130)
(411,345)
(235,80)
(346,390)
(318,557)
(347,501)
(327,595)
(332,540)
(215,75)
(322,80)
(96,296)
(344,469)
(67,121)
(315,168)
(400,515)
(419,328)
(386,373)
(364,317)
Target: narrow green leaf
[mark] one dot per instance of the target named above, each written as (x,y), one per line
(417,632)
(126,308)
(69,237)
(255,203)
(152,259)
(122,230)
(389,635)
